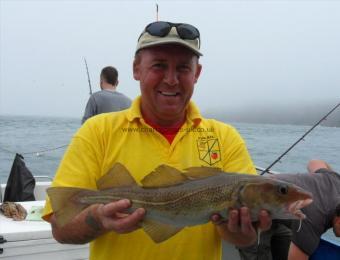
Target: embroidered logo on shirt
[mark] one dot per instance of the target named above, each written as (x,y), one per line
(209,150)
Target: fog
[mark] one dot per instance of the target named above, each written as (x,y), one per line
(309,113)
(264,61)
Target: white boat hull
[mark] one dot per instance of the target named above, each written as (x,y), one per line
(33,240)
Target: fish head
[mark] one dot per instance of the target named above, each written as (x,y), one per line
(282,199)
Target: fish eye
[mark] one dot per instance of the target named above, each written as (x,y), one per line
(283,189)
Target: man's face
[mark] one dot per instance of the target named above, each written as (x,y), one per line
(167,75)
(336,226)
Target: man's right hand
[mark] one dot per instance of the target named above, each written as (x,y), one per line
(97,220)
(112,219)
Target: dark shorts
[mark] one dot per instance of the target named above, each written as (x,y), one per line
(274,245)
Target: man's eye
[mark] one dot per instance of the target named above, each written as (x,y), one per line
(184,68)
(158,65)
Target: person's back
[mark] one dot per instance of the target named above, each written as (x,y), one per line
(325,187)
(281,243)
(108,99)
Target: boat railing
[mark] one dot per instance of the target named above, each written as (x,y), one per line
(43,177)
(260,170)
(42,183)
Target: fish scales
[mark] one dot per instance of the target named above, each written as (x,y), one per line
(183,195)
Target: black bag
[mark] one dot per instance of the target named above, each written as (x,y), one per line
(20,184)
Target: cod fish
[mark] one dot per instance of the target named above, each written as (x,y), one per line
(174,199)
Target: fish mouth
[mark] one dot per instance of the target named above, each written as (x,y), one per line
(295,207)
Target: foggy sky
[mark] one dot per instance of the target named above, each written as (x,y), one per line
(255,52)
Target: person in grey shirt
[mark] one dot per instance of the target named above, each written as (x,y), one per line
(302,239)
(108,99)
(322,214)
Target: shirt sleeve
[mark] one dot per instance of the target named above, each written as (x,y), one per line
(236,157)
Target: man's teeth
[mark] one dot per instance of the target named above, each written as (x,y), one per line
(171,94)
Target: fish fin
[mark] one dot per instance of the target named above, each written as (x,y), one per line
(159,232)
(117,176)
(162,176)
(64,207)
(201,172)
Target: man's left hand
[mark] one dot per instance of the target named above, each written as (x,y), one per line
(239,229)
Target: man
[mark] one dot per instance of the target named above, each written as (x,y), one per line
(322,214)
(167,67)
(301,241)
(108,99)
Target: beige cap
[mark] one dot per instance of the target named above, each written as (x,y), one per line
(147,40)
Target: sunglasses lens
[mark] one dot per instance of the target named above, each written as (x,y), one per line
(159,29)
(187,31)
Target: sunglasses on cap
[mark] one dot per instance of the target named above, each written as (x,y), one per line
(162,29)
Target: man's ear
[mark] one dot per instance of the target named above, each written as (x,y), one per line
(136,68)
(198,72)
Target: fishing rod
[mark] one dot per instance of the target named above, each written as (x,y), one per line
(157,12)
(88,77)
(301,138)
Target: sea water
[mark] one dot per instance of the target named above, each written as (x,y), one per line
(43,140)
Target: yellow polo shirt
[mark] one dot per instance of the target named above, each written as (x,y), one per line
(124,137)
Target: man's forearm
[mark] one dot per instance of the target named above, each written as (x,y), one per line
(295,253)
(81,230)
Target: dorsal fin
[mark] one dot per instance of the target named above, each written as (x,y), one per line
(201,172)
(117,176)
(162,176)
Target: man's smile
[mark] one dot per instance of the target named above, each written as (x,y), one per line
(168,94)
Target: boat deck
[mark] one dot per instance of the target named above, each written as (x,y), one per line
(33,240)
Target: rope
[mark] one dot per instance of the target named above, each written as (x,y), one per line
(7,151)
(37,152)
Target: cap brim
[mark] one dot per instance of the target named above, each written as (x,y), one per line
(164,41)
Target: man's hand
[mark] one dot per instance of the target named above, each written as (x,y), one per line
(239,229)
(112,219)
(97,220)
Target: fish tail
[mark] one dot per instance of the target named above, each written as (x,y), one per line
(64,206)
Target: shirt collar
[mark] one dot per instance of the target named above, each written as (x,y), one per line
(193,114)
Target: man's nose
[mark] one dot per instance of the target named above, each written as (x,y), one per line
(171,77)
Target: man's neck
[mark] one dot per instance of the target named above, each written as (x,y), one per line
(106,86)
(168,130)
(169,123)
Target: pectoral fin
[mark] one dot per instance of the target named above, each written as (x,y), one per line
(159,232)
